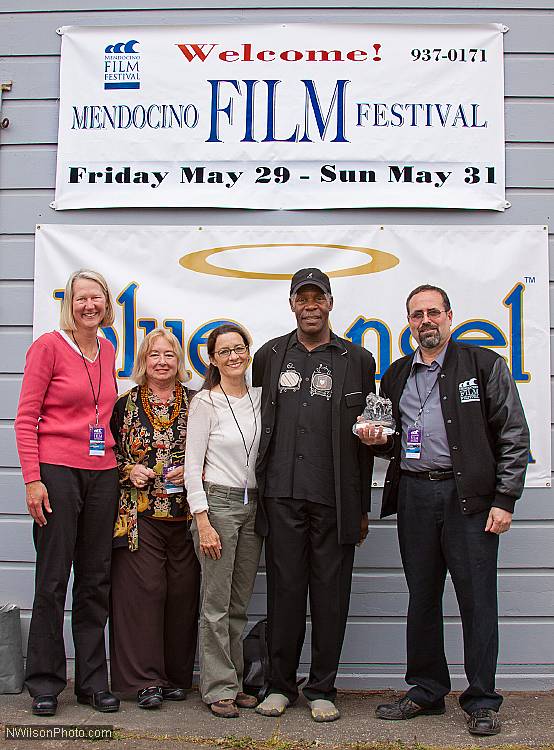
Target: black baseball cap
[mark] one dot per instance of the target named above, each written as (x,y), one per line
(310,276)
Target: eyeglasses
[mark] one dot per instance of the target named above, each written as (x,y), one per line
(226,353)
(432,314)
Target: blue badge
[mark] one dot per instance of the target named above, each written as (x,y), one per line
(96,440)
(170,487)
(413,445)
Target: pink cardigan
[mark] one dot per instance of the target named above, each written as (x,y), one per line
(56,406)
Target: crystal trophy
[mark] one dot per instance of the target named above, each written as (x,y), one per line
(378,412)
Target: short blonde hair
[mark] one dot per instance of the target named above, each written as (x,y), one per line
(139,369)
(67,320)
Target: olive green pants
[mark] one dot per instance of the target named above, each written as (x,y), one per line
(226,589)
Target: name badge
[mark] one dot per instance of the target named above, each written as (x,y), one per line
(96,440)
(413,445)
(170,487)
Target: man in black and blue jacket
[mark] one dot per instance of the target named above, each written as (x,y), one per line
(457,466)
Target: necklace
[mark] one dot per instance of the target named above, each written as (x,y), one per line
(161,423)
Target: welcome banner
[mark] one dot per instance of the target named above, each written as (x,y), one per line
(191,279)
(285,116)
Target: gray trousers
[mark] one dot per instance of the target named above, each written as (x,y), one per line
(226,589)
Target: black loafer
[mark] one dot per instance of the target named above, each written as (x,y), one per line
(150,697)
(44,705)
(174,694)
(404,708)
(484,722)
(102,701)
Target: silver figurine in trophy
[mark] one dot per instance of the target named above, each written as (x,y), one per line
(378,412)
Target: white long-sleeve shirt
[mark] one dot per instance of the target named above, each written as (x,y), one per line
(215,449)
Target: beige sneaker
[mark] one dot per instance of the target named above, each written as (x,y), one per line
(274,705)
(324,710)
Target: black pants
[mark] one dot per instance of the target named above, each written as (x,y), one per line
(79,531)
(436,536)
(303,554)
(154,608)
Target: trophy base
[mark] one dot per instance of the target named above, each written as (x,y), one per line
(359,425)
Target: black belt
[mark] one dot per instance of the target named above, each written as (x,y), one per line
(431,476)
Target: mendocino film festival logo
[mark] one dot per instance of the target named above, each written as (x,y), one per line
(121,66)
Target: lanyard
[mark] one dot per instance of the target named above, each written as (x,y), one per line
(248,451)
(422,405)
(95,396)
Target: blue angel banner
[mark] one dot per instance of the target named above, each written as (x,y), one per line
(282,116)
(192,279)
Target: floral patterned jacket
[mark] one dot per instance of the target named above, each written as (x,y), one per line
(136,441)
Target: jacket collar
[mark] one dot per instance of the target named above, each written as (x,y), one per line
(278,350)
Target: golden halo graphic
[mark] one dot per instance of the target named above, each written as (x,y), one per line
(198,261)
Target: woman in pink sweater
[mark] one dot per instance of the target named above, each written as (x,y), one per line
(71,483)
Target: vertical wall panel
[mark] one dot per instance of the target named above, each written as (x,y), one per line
(30,57)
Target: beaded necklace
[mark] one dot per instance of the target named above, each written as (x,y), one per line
(159,423)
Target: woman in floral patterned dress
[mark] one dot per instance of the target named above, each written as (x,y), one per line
(155,572)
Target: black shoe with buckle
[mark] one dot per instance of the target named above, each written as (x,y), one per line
(44,705)
(102,701)
(404,708)
(484,722)
(174,694)
(150,697)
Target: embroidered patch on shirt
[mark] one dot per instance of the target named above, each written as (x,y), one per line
(322,382)
(469,390)
(289,379)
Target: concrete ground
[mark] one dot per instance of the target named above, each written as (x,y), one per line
(528,722)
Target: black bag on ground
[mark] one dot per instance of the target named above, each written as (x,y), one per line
(11,652)
(256,661)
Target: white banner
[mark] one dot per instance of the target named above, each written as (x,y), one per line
(285,116)
(190,279)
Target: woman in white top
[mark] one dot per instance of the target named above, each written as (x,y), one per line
(222,445)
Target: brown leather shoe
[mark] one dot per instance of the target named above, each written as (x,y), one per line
(243,700)
(225,709)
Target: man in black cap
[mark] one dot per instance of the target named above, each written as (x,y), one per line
(314,480)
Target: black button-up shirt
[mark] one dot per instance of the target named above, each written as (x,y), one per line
(300,464)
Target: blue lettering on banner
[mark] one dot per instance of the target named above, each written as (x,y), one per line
(476,332)
(225,111)
(121,66)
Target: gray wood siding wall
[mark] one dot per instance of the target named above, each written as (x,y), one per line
(374,651)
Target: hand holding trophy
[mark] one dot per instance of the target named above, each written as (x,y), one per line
(376,421)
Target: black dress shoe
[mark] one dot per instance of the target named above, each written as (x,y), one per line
(44,705)
(150,697)
(404,708)
(484,722)
(102,701)
(174,694)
